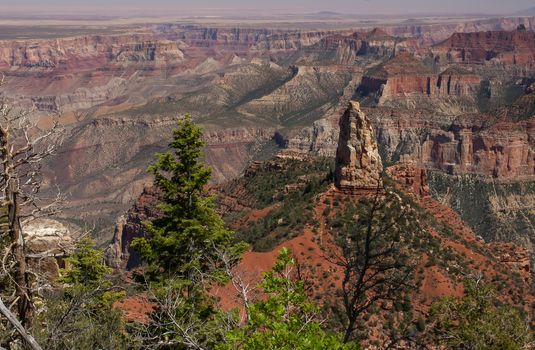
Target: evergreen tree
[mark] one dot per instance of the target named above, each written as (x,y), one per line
(185,241)
(81,314)
(183,249)
(285,320)
(374,236)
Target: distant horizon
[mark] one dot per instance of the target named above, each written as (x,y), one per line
(125,8)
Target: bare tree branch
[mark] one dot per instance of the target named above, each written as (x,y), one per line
(18,326)
(375,265)
(24,145)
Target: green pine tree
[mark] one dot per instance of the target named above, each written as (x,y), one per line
(186,240)
(81,315)
(285,320)
(183,249)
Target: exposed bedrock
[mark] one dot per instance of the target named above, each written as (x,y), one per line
(501,149)
(358,163)
(405,76)
(472,144)
(507,47)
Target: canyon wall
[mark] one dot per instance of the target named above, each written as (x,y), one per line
(514,47)
(434,33)
(405,75)
(474,144)
(504,150)
(249,88)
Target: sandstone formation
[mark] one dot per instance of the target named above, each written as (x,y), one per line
(358,163)
(411,178)
(456,81)
(503,150)
(49,242)
(399,76)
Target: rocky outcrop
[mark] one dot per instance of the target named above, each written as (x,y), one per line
(119,255)
(470,144)
(410,177)
(397,77)
(358,163)
(48,243)
(457,82)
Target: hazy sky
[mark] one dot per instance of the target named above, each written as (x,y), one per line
(302,6)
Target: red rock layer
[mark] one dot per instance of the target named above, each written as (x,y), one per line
(504,150)
(515,47)
(405,75)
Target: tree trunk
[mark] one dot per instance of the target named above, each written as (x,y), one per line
(21,277)
(20,329)
(349,331)
(22,283)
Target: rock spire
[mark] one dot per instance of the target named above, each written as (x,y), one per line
(358,163)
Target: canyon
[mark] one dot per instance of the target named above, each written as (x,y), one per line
(453,97)
(445,251)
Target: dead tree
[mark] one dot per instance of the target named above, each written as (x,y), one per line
(4,310)
(372,237)
(24,145)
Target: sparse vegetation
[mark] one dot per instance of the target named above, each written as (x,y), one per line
(294,211)
(374,236)
(478,321)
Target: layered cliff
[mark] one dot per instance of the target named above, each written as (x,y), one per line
(48,244)
(87,51)
(129,226)
(514,47)
(347,48)
(503,150)
(434,33)
(404,75)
